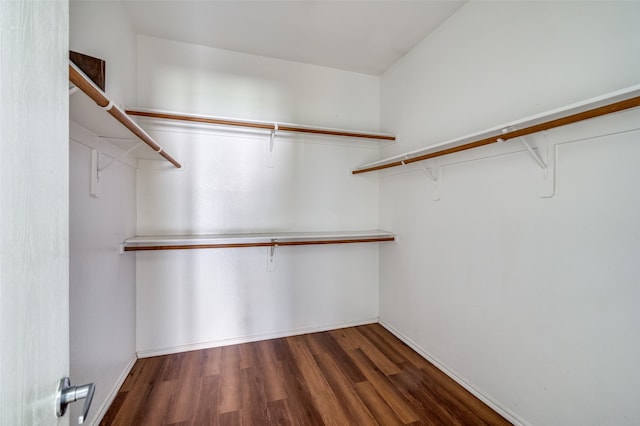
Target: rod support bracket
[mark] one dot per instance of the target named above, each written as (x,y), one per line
(271,264)
(434,175)
(533,153)
(272,140)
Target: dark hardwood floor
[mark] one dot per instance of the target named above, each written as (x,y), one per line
(352,376)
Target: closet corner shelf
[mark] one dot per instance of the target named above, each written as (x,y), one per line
(257,125)
(88,114)
(275,239)
(620,100)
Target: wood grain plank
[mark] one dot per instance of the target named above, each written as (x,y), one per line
(409,354)
(463,397)
(328,405)
(114,408)
(230,400)
(279,413)
(384,387)
(212,361)
(248,355)
(325,343)
(342,336)
(433,409)
(378,406)
(373,353)
(231,418)
(390,351)
(254,402)
(266,352)
(171,366)
(299,399)
(129,412)
(206,409)
(353,406)
(271,369)
(185,392)
(155,409)
(146,372)
(274,388)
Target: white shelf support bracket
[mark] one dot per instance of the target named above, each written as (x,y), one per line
(271,258)
(94,185)
(428,172)
(120,157)
(96,169)
(272,140)
(534,154)
(545,156)
(547,180)
(434,175)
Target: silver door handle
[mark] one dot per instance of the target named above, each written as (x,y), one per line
(67,394)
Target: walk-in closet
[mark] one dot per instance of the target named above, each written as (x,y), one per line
(321,212)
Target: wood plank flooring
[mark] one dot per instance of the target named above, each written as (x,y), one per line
(351,376)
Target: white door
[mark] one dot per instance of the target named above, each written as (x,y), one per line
(34,202)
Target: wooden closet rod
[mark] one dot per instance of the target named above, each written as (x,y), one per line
(82,82)
(259,125)
(256,244)
(498,136)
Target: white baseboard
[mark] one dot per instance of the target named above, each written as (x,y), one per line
(114,391)
(507,414)
(146,353)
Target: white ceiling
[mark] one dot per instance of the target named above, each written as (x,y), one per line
(365,36)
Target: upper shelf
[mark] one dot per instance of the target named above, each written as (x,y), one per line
(607,104)
(183,242)
(87,113)
(260,125)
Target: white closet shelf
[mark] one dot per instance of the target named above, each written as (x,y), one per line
(257,125)
(595,107)
(275,239)
(97,113)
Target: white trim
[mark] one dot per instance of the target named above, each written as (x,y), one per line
(114,392)
(147,353)
(493,404)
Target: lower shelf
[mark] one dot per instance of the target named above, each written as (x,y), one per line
(188,242)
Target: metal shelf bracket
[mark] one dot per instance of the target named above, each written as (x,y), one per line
(544,154)
(96,169)
(272,140)
(271,261)
(547,181)
(120,157)
(434,175)
(534,154)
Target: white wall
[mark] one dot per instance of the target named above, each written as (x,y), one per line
(102,282)
(531,301)
(101,28)
(189,78)
(199,298)
(102,287)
